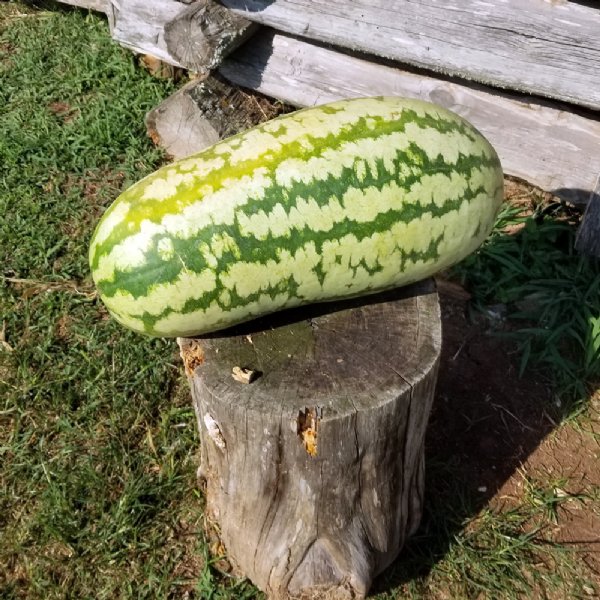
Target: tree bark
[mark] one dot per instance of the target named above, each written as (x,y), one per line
(312,425)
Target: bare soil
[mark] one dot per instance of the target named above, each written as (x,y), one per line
(501,432)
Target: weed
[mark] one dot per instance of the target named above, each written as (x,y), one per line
(529,264)
(548,498)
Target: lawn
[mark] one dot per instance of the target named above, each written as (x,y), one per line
(98,441)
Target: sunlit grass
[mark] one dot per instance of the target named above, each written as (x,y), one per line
(97,436)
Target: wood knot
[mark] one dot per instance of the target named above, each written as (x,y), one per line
(244,374)
(308,426)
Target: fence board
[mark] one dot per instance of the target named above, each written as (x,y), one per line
(553,149)
(549,48)
(140,26)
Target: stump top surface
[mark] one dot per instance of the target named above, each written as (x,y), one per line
(340,356)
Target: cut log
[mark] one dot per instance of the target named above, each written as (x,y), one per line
(140,26)
(194,37)
(203,34)
(312,428)
(553,149)
(203,112)
(535,46)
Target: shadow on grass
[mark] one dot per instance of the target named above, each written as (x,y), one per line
(492,407)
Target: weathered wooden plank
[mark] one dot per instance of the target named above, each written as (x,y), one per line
(553,149)
(97,5)
(588,236)
(549,48)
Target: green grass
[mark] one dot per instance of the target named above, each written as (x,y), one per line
(503,551)
(98,446)
(551,293)
(97,435)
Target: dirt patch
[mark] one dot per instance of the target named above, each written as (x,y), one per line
(64,111)
(567,461)
(6,52)
(501,436)
(185,538)
(484,416)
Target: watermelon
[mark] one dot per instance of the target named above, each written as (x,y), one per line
(331,202)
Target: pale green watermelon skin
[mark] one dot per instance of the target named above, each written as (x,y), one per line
(336,201)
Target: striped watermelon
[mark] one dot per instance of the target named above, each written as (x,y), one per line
(325,203)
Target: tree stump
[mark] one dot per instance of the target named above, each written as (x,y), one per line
(312,426)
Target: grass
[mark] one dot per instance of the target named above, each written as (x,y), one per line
(98,447)
(550,292)
(503,550)
(97,434)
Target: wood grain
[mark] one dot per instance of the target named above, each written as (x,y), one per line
(362,373)
(535,46)
(554,149)
(588,235)
(195,37)
(199,37)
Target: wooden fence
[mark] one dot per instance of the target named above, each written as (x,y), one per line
(524,72)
